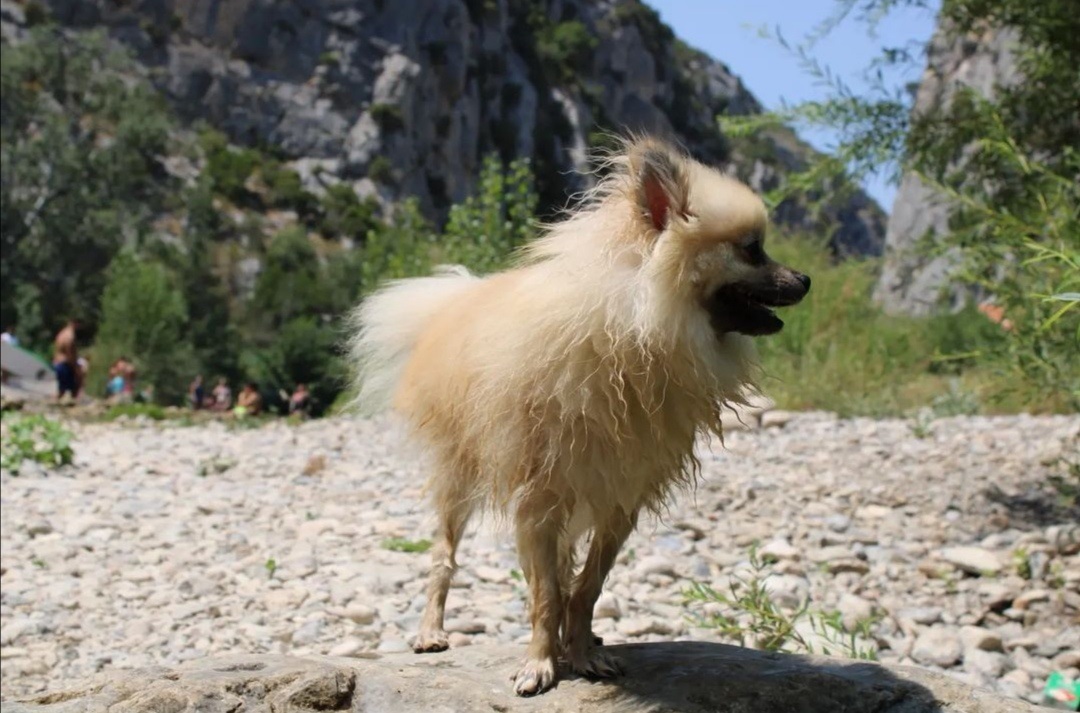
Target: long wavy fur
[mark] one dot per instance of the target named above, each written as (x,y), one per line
(588,369)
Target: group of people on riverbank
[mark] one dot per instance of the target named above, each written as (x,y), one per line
(71,371)
(249,402)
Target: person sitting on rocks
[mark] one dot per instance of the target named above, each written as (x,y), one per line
(300,401)
(222,396)
(115,386)
(248,401)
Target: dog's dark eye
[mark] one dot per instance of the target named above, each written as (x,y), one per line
(755,252)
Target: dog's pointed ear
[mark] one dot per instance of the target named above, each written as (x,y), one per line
(661,182)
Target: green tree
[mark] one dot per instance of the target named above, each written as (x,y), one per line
(292,282)
(293,333)
(79,137)
(482,232)
(211,330)
(304,351)
(143,317)
(402,249)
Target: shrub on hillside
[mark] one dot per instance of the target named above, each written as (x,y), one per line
(144,318)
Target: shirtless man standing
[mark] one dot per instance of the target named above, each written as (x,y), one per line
(66,360)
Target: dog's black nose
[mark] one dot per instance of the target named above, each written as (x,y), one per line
(805,280)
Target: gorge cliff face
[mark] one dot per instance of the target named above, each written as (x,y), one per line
(912,281)
(406,97)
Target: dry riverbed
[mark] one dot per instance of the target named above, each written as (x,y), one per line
(164,543)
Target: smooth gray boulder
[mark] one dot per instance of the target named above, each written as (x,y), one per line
(690,677)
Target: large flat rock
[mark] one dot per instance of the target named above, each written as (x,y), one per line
(690,677)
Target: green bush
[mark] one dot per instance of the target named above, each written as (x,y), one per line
(34,438)
(228,167)
(565,48)
(345,215)
(388,116)
(285,190)
(403,248)
(144,318)
(381,170)
(292,283)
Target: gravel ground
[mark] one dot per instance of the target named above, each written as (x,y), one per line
(167,543)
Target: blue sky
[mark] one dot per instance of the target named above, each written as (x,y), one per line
(729,30)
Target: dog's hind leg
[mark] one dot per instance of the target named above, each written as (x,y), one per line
(583,651)
(541,524)
(454,509)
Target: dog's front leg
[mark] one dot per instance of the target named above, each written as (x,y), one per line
(540,524)
(583,652)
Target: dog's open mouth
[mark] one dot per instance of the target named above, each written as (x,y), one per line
(748,310)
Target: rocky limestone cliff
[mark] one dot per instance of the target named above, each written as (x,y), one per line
(406,97)
(683,677)
(911,282)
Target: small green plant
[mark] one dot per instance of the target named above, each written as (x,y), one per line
(922,424)
(271,567)
(343,214)
(402,544)
(387,116)
(228,167)
(564,48)
(1021,562)
(1066,482)
(1056,577)
(750,615)
(329,59)
(34,438)
(39,563)
(214,466)
(285,189)
(381,170)
(957,401)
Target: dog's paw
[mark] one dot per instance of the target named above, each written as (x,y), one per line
(595,662)
(428,642)
(535,676)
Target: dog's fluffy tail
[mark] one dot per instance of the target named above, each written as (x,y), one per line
(385,328)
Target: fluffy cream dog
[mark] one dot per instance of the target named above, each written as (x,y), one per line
(566,393)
